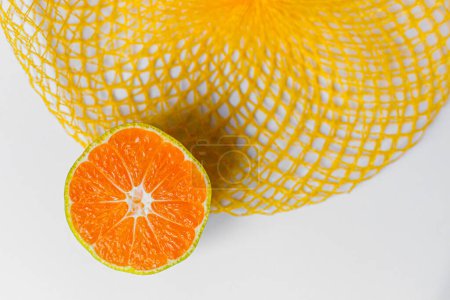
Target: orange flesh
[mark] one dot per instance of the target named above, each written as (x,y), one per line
(137,200)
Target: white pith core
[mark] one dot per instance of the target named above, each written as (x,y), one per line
(139,202)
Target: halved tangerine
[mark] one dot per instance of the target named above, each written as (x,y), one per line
(137,200)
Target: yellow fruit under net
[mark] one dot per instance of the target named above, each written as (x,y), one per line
(286,102)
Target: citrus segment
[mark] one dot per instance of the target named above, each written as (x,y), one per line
(91,220)
(174,239)
(137,199)
(180,212)
(189,185)
(90,185)
(114,245)
(136,146)
(145,253)
(166,166)
(109,162)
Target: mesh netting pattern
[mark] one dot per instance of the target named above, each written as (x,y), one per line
(285,102)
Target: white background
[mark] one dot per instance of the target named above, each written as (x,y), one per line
(389,239)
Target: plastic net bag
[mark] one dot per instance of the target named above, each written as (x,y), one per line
(285,102)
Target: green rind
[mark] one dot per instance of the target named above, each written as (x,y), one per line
(86,152)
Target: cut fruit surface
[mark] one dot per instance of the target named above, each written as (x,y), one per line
(137,200)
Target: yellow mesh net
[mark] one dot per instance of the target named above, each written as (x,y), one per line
(285,102)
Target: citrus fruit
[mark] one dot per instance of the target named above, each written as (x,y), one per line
(137,200)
